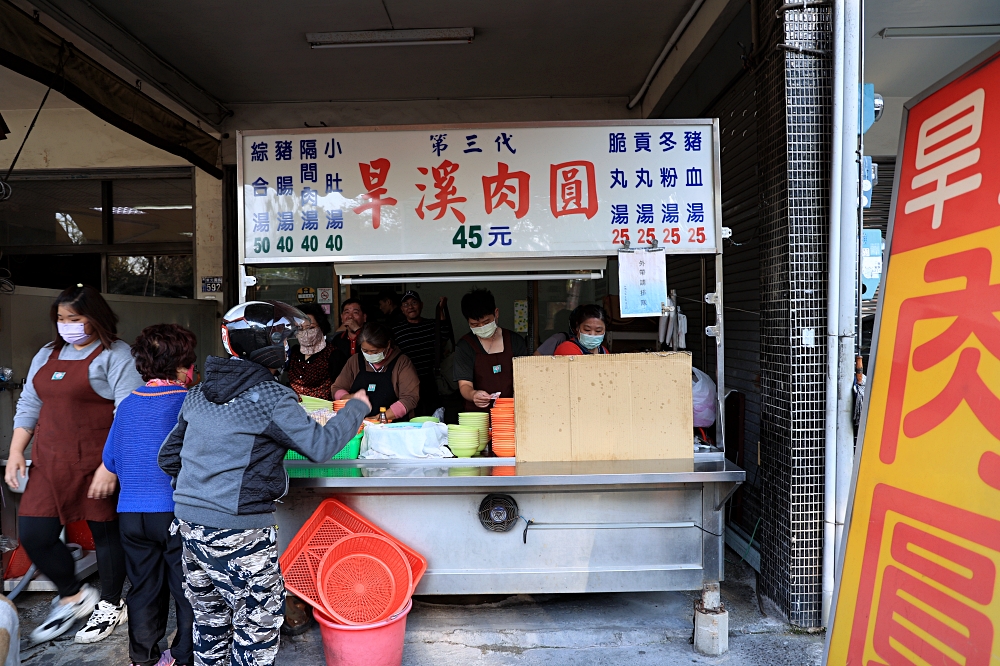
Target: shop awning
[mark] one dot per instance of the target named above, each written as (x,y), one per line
(29,48)
(547,268)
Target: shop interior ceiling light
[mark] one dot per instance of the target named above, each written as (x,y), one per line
(420,37)
(941,31)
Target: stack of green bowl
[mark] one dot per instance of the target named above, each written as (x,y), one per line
(479,421)
(425,419)
(463,440)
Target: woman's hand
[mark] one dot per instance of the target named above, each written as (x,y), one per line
(103,485)
(16,468)
(481,399)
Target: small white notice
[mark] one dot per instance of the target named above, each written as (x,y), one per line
(642,282)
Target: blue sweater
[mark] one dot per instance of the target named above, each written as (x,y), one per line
(143,420)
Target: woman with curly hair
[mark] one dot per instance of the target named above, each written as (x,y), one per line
(164,356)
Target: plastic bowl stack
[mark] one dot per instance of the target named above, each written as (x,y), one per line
(480,421)
(463,440)
(503,433)
(339,404)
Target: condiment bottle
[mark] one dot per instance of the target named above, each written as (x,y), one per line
(382,418)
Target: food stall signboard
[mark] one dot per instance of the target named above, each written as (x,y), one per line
(487,191)
(918,577)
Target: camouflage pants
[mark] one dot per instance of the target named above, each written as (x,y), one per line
(232,579)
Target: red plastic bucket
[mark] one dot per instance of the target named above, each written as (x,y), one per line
(376,644)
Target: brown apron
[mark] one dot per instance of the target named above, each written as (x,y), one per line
(72,429)
(493,373)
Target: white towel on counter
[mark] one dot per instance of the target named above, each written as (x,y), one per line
(405,440)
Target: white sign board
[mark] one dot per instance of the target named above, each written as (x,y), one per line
(455,192)
(642,283)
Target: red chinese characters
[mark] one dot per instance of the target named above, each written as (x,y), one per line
(498,190)
(972,308)
(447,192)
(573,189)
(952,577)
(373,176)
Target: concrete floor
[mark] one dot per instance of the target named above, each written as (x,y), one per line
(582,629)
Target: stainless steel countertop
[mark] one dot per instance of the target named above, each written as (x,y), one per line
(478,473)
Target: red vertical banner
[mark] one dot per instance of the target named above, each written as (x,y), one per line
(918,583)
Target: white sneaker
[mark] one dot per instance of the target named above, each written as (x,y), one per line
(102,622)
(62,616)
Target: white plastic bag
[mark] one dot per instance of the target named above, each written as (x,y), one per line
(703,394)
(405,440)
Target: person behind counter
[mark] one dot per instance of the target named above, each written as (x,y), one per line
(164,356)
(388,303)
(381,370)
(589,323)
(226,457)
(421,340)
(484,358)
(352,317)
(314,365)
(68,403)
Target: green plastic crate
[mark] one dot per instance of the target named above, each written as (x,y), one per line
(349,452)
(322,472)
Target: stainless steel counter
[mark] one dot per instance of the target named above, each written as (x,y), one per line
(595,526)
(464,474)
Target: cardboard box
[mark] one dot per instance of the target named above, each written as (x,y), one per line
(604,407)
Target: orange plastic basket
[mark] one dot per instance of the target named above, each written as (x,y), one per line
(364,578)
(330,522)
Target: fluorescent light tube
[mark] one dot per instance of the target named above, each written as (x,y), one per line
(420,37)
(941,31)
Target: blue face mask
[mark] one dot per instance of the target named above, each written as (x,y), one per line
(590,341)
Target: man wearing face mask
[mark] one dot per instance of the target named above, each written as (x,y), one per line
(382,372)
(484,358)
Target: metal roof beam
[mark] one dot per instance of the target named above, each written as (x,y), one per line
(111,38)
(698,38)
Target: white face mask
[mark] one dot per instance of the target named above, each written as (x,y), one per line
(485,331)
(374,358)
(72,332)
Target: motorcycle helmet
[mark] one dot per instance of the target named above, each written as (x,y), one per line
(258,331)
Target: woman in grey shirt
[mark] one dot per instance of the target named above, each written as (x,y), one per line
(66,409)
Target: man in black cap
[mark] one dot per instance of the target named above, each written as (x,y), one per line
(422,341)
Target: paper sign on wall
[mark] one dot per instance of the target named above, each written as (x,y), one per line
(918,581)
(642,282)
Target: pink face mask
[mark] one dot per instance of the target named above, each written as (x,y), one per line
(72,333)
(189,376)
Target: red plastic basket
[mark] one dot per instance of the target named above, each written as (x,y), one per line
(364,578)
(331,521)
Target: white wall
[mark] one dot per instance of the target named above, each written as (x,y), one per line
(882,139)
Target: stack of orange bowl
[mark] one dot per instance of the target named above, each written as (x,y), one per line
(502,418)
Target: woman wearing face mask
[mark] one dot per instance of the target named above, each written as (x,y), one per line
(314,365)
(68,403)
(386,375)
(589,323)
(484,358)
